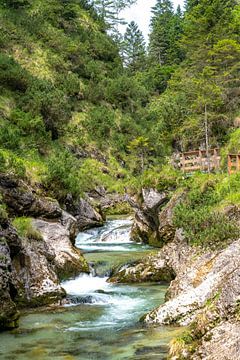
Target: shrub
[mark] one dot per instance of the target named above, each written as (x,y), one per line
(12,164)
(199,217)
(61,177)
(26,229)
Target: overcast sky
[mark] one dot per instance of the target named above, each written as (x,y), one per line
(141,13)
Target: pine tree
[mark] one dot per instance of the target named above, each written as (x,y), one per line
(175,51)
(109,10)
(133,48)
(161,24)
(206,22)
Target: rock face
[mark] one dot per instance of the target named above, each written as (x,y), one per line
(85,214)
(203,280)
(8,310)
(224,344)
(21,200)
(32,267)
(146,223)
(166,229)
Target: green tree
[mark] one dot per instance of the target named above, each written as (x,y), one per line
(109,10)
(139,148)
(133,48)
(166,29)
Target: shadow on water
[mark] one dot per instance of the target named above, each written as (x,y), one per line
(101,320)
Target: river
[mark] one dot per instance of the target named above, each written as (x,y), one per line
(100,320)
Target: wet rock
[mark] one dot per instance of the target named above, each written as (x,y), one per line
(151,269)
(35,267)
(156,268)
(146,222)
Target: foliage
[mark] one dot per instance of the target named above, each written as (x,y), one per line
(133,48)
(11,164)
(201,218)
(166,32)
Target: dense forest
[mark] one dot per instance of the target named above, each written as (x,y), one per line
(84,107)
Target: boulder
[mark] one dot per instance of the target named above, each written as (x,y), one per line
(161,267)
(146,222)
(34,277)
(31,276)
(68,260)
(166,229)
(85,214)
(150,269)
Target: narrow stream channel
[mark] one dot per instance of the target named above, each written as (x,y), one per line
(101,320)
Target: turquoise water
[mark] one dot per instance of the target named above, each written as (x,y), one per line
(101,320)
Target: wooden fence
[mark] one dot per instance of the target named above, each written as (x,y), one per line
(200,160)
(233,163)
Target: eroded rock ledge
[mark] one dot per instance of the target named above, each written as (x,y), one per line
(31,267)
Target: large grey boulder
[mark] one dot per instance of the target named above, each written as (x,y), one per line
(86,215)
(146,222)
(58,237)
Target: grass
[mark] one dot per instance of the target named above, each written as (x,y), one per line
(26,229)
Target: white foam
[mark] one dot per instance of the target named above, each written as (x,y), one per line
(85,284)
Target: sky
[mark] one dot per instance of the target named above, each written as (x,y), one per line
(141,14)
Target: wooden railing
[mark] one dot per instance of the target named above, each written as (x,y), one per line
(200,160)
(233,163)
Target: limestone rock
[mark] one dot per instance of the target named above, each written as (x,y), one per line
(166,228)
(146,223)
(68,260)
(151,269)
(160,267)
(224,343)
(200,282)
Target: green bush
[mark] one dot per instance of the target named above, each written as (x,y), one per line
(199,215)
(12,164)
(26,229)
(12,75)
(62,174)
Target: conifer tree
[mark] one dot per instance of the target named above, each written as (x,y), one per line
(133,48)
(161,24)
(109,10)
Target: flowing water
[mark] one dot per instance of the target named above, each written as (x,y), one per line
(101,320)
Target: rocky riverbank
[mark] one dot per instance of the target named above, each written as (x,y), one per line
(204,293)
(37,249)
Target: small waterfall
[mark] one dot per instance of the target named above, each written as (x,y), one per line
(111,237)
